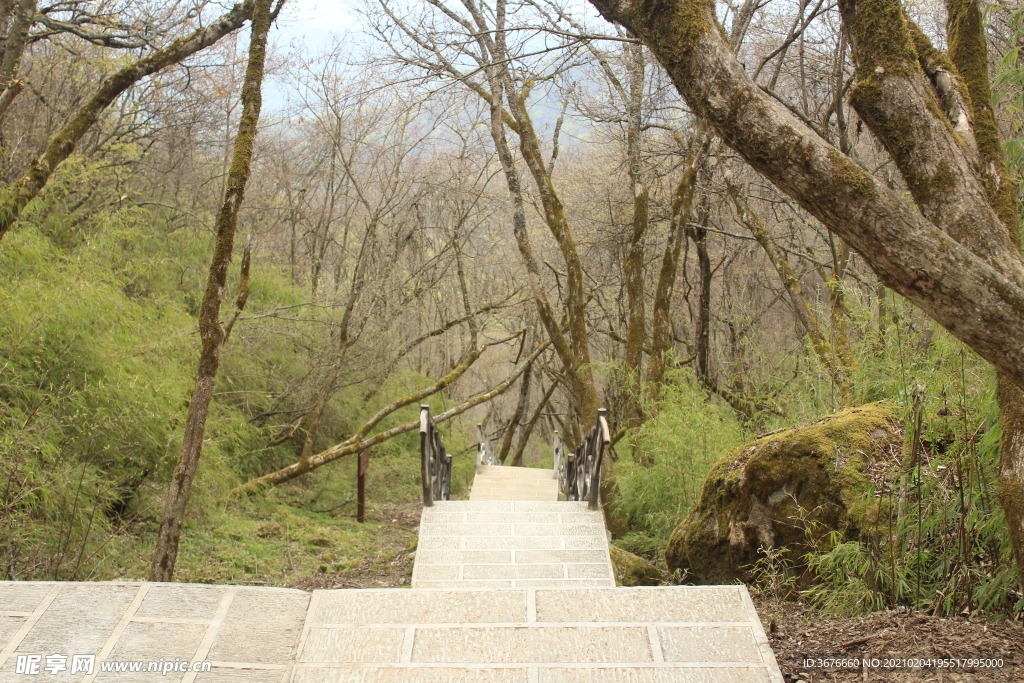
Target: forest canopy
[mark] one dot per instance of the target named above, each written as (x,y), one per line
(233,255)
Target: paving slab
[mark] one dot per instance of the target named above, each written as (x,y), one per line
(686,604)
(639,635)
(136,628)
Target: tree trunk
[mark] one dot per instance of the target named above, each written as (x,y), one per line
(698,234)
(633,263)
(1011,465)
(14,49)
(524,396)
(211,332)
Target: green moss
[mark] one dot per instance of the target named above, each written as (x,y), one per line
(898,133)
(633,570)
(851,175)
(880,36)
(673,27)
(943,181)
(924,48)
(782,490)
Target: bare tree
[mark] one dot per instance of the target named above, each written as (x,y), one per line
(64,142)
(504,80)
(213,334)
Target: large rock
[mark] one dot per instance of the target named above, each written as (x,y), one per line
(784,489)
(633,570)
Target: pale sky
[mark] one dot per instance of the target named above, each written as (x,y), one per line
(313,21)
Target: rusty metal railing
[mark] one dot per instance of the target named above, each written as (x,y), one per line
(484,454)
(437,465)
(579,473)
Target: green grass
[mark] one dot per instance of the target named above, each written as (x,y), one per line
(97,321)
(662,465)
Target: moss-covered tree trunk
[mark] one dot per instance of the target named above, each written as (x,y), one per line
(210,329)
(952,250)
(633,263)
(698,234)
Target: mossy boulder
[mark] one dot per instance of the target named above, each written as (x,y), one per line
(633,570)
(786,489)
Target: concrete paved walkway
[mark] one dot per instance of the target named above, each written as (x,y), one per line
(518,590)
(272,635)
(514,483)
(247,634)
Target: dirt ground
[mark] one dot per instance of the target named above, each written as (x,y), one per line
(391,567)
(899,646)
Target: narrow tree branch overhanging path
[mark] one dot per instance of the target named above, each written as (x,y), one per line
(503,591)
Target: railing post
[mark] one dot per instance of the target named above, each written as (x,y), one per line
(479,447)
(364,464)
(426,446)
(436,464)
(559,465)
(602,439)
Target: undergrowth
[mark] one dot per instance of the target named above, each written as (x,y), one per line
(98,327)
(942,545)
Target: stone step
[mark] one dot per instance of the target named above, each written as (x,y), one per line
(512,544)
(608,635)
(514,483)
(272,635)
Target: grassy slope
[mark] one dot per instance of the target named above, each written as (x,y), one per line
(97,324)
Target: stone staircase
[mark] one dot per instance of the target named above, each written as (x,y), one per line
(513,483)
(512,544)
(515,589)
(512,533)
